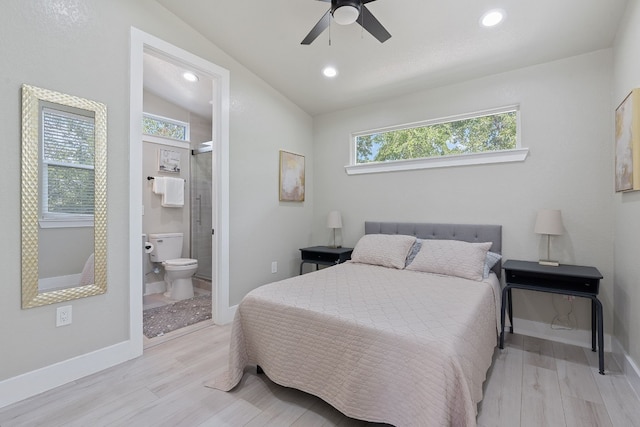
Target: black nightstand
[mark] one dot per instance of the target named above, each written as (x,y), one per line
(324,255)
(575,280)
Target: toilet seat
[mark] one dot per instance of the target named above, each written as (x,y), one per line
(180,262)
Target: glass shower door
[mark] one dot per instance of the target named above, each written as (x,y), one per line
(201,205)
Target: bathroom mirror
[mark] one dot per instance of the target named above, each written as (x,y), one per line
(64,197)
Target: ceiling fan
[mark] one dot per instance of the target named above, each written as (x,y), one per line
(347,12)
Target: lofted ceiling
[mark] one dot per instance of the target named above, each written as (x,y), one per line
(433,43)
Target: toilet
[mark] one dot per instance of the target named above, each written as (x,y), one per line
(167,249)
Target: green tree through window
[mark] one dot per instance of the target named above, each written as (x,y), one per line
(472,135)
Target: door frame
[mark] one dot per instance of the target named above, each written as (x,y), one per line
(142,42)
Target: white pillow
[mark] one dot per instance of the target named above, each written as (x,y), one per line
(452,257)
(387,250)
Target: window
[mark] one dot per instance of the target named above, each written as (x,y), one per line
(67,164)
(436,143)
(164,127)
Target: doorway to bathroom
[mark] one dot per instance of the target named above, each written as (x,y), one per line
(207,213)
(177,144)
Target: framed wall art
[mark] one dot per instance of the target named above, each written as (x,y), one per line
(627,167)
(291,177)
(168,161)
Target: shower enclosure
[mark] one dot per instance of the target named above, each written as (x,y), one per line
(201,206)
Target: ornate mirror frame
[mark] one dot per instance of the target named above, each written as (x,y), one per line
(31,295)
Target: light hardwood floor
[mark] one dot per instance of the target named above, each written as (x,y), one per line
(532,383)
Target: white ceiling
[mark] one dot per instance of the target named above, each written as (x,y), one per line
(163,78)
(433,43)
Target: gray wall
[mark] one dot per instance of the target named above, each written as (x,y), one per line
(159,219)
(52,261)
(626,290)
(567,125)
(85,52)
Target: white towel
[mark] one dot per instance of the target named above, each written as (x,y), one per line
(159,184)
(173,196)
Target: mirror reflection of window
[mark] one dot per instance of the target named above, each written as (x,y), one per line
(67,196)
(67,166)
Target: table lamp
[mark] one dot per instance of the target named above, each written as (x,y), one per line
(334,220)
(549,222)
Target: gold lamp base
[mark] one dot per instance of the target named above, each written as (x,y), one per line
(548,262)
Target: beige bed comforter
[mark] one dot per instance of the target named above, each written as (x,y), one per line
(379,344)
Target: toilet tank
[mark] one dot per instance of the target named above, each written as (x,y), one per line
(165,246)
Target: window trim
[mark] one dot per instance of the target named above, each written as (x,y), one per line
(517,154)
(488,157)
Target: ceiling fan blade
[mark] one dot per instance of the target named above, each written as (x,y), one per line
(322,25)
(363,1)
(372,25)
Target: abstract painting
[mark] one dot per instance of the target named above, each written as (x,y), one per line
(291,177)
(627,173)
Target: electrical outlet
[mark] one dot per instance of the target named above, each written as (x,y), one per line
(63,316)
(274,267)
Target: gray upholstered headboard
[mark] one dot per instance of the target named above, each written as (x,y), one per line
(465,232)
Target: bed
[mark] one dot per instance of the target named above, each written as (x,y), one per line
(383,342)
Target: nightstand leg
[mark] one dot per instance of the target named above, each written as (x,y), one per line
(503,306)
(593,324)
(510,311)
(600,336)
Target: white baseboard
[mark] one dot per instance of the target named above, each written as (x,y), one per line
(23,386)
(155,288)
(628,366)
(578,337)
(226,316)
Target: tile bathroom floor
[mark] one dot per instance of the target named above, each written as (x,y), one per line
(200,287)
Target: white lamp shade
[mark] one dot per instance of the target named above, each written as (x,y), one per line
(334,220)
(549,221)
(345,15)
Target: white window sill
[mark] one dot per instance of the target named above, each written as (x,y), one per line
(503,156)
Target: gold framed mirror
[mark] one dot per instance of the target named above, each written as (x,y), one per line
(64,197)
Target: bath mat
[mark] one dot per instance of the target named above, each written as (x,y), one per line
(160,320)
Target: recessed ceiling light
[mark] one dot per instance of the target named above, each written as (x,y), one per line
(330,72)
(492,18)
(190,77)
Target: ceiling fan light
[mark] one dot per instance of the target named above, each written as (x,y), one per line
(345,15)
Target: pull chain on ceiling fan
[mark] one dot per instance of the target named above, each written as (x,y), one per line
(345,12)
